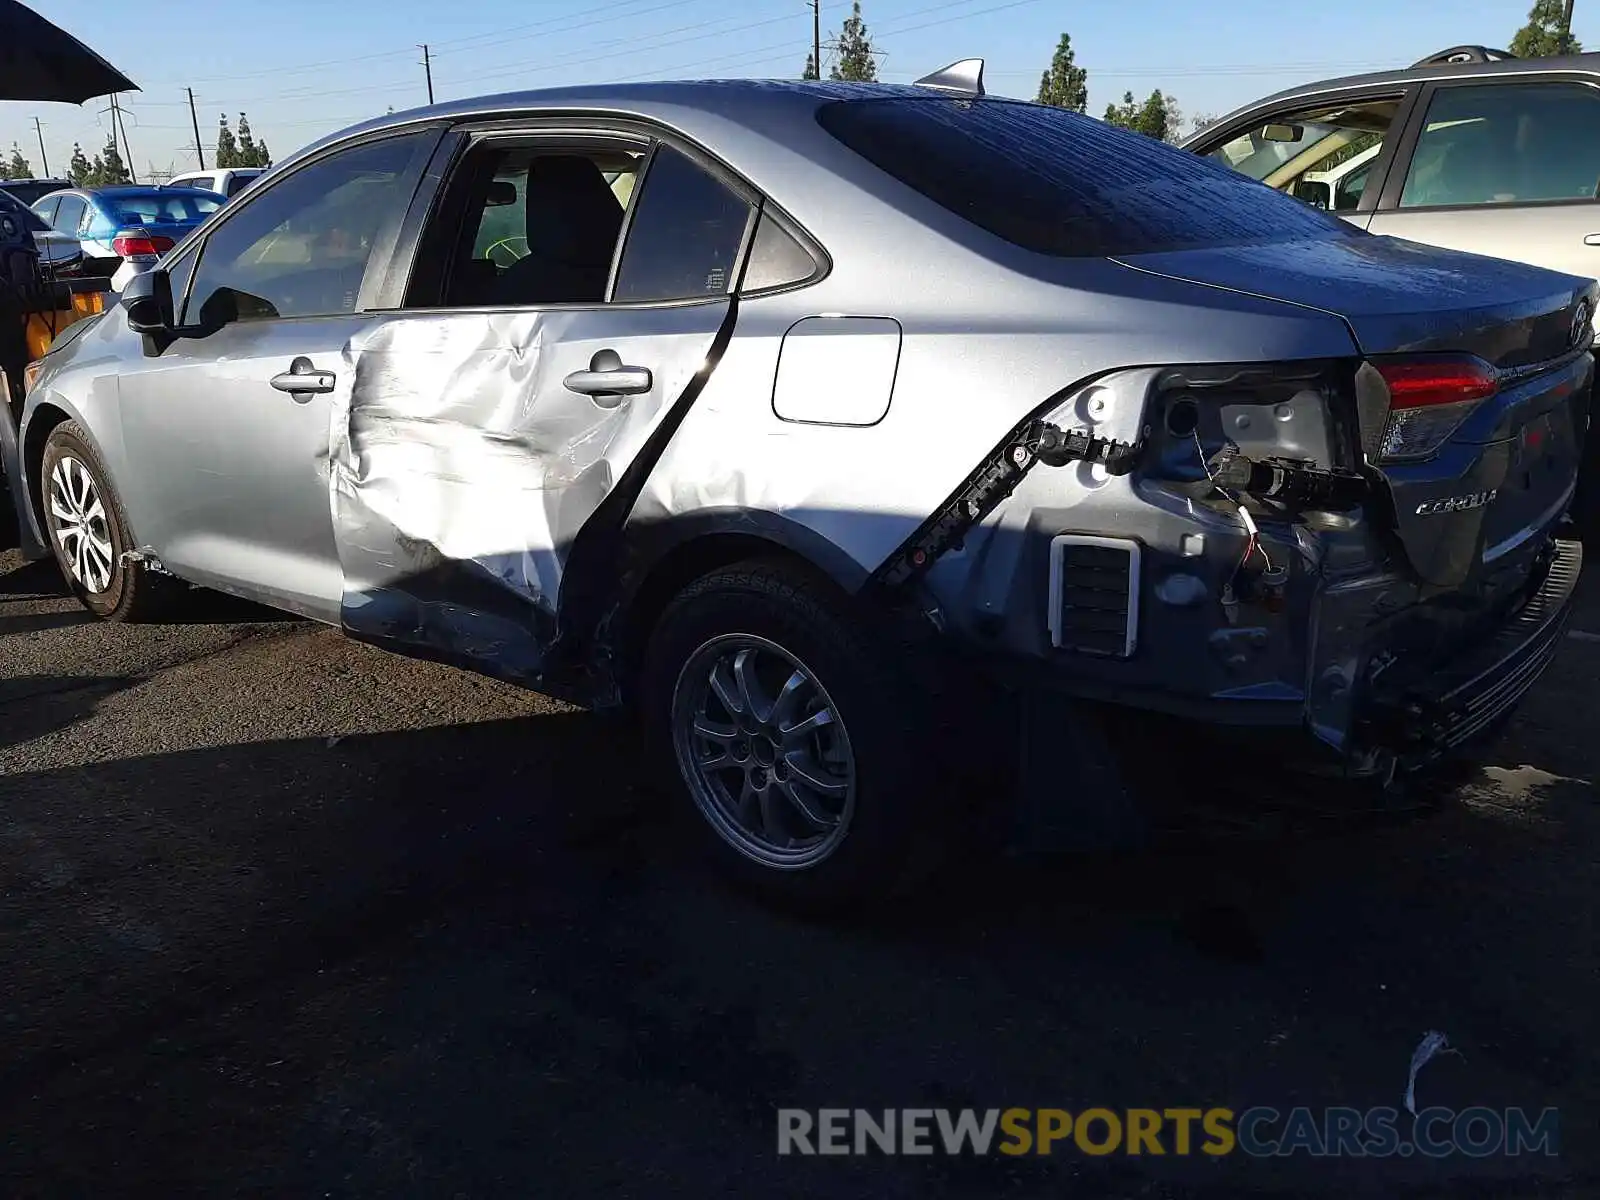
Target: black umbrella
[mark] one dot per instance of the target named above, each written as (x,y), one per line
(40,62)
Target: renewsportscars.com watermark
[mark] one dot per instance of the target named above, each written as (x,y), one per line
(1258,1132)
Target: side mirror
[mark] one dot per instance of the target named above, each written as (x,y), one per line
(1315,193)
(147,301)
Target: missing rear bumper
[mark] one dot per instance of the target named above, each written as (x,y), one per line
(1468,697)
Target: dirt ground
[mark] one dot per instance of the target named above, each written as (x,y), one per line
(283,915)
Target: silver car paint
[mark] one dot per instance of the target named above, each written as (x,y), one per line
(461,461)
(450,454)
(240,499)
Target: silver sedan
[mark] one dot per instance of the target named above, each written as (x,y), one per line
(814,421)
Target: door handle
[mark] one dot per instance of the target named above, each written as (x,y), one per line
(607,377)
(1592,239)
(302,377)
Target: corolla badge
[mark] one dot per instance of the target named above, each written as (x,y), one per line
(1455,504)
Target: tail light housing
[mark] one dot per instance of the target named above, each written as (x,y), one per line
(1429,398)
(140,245)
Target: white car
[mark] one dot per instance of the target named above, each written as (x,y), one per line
(225,181)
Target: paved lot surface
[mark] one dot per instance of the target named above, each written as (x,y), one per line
(280,914)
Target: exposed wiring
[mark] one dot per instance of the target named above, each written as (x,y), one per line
(1252,544)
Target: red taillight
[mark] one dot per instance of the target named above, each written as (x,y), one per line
(1422,384)
(131,246)
(1429,398)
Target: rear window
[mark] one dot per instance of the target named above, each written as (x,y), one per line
(25,216)
(160,208)
(1061,183)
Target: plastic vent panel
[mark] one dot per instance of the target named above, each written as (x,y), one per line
(1094,595)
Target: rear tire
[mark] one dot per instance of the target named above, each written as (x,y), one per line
(797,733)
(89,534)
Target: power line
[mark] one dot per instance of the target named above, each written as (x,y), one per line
(496,36)
(750,55)
(518,33)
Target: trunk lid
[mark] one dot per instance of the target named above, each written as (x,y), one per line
(1485,498)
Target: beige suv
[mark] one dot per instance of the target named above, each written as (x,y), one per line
(1470,149)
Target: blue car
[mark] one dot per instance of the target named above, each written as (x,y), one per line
(124,230)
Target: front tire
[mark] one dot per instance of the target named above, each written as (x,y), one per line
(89,533)
(797,734)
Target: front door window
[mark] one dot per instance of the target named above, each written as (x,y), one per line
(1321,155)
(301,248)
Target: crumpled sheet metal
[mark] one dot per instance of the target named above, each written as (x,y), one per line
(456,490)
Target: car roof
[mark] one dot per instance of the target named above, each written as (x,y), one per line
(741,100)
(140,189)
(1508,67)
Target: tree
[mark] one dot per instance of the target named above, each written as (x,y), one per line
(1158,117)
(227,147)
(18,167)
(1201,121)
(247,143)
(1125,114)
(1065,84)
(80,168)
(251,153)
(854,62)
(1541,36)
(811,67)
(108,165)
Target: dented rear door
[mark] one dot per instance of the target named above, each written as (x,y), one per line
(464,466)
(476,448)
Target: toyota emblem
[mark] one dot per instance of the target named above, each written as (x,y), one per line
(1580,323)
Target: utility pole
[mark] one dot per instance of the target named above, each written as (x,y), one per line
(126,151)
(44,159)
(1566,29)
(816,36)
(199,149)
(427,69)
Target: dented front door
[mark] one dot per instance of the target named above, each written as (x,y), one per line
(470,449)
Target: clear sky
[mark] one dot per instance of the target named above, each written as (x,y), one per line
(302,68)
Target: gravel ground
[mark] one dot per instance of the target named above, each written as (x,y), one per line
(281,914)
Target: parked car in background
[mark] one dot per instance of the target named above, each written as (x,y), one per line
(225,181)
(29,190)
(874,410)
(60,254)
(1470,149)
(126,229)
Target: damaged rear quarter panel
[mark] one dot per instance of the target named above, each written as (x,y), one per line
(967,375)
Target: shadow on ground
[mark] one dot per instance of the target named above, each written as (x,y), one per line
(478,960)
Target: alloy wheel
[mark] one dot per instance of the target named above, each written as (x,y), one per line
(762,748)
(80,526)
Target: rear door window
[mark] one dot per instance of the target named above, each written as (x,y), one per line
(1512,143)
(70,214)
(686,233)
(1061,183)
(540,225)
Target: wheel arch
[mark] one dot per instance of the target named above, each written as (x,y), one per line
(666,556)
(42,421)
